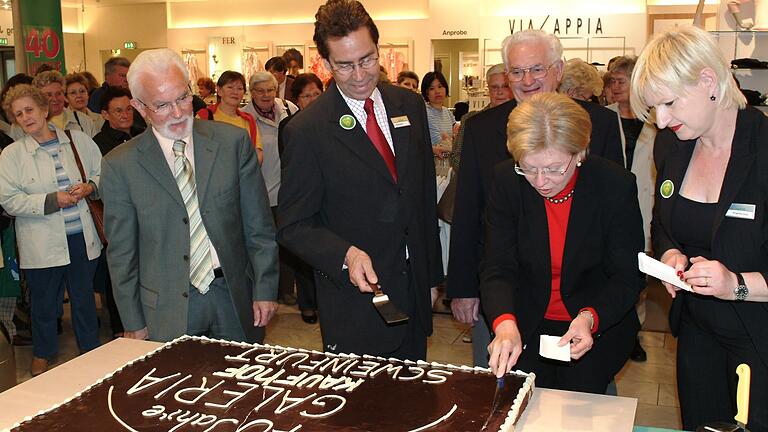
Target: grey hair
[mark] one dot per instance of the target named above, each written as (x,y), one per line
(555,51)
(260,77)
(494,70)
(156,61)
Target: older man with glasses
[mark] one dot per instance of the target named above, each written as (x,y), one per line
(358,200)
(191,240)
(534,64)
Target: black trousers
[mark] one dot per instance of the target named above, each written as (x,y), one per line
(712,342)
(592,372)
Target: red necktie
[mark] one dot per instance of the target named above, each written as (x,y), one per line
(378,139)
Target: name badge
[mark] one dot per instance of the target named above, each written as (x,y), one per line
(741,211)
(401,121)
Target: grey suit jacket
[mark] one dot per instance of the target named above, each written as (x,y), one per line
(147,227)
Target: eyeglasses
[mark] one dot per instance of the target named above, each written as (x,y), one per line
(54,94)
(77,92)
(498,88)
(166,107)
(262,92)
(536,71)
(347,68)
(546,172)
(309,95)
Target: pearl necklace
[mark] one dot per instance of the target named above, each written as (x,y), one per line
(561,200)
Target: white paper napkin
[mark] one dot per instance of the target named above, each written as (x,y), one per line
(548,348)
(660,271)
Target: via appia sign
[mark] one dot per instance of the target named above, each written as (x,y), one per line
(559,26)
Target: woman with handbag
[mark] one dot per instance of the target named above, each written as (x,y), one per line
(42,186)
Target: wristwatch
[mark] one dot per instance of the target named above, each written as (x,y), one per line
(741,291)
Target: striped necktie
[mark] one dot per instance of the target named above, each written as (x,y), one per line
(200,262)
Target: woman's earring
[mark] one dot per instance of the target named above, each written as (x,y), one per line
(712,98)
(578,164)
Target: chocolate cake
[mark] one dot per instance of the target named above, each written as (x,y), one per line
(201,384)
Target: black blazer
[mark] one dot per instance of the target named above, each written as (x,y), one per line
(739,244)
(485,145)
(605,233)
(337,192)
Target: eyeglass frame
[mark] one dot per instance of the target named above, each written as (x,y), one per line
(546,172)
(530,71)
(185,99)
(348,68)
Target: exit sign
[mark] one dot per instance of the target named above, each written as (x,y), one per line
(129,45)
(3,41)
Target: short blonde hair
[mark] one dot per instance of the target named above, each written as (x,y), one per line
(674,60)
(21,91)
(580,75)
(548,121)
(48,77)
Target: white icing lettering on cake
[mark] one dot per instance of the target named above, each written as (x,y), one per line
(291,380)
(417,371)
(364,367)
(291,402)
(310,381)
(389,368)
(436,422)
(321,403)
(242,357)
(313,364)
(438,376)
(336,364)
(155,411)
(302,356)
(238,395)
(162,393)
(114,414)
(200,391)
(148,381)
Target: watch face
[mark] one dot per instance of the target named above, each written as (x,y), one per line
(741,292)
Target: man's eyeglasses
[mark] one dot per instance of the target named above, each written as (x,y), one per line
(262,92)
(347,68)
(309,95)
(166,107)
(546,172)
(536,71)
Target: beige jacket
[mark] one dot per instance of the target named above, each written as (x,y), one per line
(27,176)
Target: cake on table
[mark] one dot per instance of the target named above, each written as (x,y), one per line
(201,384)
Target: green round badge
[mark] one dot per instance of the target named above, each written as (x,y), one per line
(347,121)
(667,188)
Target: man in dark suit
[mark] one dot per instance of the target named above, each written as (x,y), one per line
(191,239)
(358,199)
(279,68)
(534,63)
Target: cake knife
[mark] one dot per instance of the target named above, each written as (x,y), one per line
(742,395)
(388,311)
(496,401)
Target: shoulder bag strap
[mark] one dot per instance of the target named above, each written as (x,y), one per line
(77,156)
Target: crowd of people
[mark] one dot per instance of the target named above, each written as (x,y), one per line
(219,204)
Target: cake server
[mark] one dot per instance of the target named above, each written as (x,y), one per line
(388,311)
(496,401)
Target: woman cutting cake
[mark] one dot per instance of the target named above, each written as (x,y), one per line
(563,233)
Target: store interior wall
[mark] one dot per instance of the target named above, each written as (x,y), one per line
(452,48)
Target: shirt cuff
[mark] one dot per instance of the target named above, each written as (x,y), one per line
(502,318)
(595,318)
(51,204)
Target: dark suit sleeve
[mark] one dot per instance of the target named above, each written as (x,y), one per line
(623,239)
(434,252)
(501,248)
(122,230)
(467,223)
(299,226)
(258,227)
(662,242)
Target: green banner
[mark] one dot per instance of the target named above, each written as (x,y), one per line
(43,37)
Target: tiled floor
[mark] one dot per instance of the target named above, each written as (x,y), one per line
(652,382)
